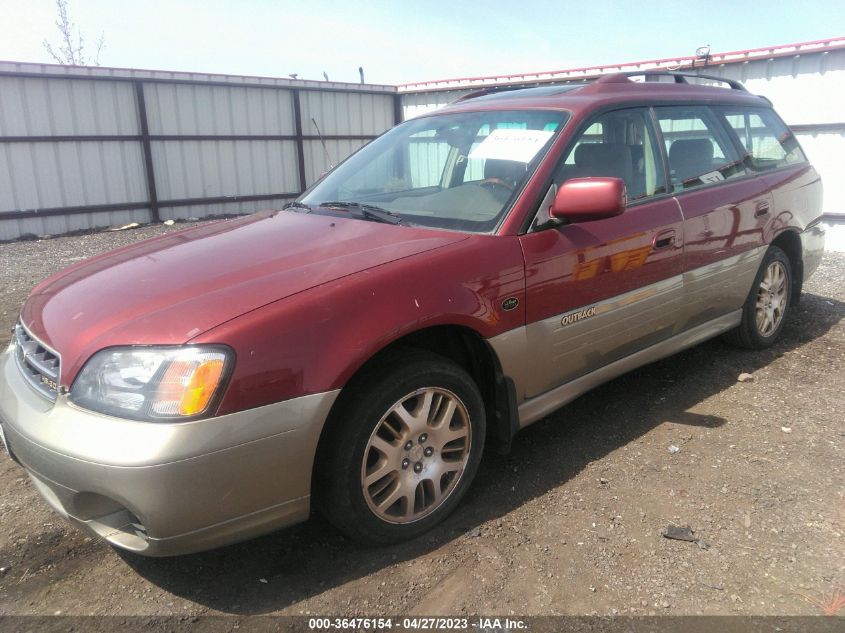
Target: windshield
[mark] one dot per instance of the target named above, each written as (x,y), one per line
(453,171)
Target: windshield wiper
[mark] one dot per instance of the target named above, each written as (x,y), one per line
(298,205)
(367,211)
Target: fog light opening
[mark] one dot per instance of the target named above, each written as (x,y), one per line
(121,528)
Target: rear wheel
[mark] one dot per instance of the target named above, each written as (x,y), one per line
(403,449)
(764,312)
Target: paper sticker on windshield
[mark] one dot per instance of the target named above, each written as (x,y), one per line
(510,144)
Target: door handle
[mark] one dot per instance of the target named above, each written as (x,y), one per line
(664,239)
(761,209)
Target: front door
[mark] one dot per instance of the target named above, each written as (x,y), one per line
(599,291)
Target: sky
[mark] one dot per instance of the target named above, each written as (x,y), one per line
(408,40)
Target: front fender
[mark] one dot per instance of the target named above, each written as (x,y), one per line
(316,340)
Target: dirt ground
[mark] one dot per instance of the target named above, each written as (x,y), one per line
(570,522)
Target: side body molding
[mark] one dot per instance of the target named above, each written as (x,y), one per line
(536,408)
(555,360)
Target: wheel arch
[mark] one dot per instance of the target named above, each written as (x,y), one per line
(466,348)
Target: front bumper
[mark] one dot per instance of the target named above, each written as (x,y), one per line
(164,489)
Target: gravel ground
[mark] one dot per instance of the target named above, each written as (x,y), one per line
(570,522)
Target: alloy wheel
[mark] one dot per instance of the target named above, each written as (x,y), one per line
(771,299)
(416,455)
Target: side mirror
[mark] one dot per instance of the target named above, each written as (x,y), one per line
(586,199)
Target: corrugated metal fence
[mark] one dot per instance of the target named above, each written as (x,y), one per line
(89,147)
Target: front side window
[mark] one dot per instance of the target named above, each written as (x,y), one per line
(766,139)
(618,144)
(698,149)
(456,171)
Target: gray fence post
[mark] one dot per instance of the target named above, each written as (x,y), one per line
(300,142)
(148,153)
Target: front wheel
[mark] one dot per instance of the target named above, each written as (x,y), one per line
(403,449)
(764,311)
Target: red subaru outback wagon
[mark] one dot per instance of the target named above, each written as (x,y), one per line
(455,280)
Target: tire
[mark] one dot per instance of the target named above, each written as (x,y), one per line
(402,449)
(764,311)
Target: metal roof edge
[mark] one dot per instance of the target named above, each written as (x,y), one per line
(686,62)
(108,72)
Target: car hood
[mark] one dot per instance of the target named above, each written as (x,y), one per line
(170,289)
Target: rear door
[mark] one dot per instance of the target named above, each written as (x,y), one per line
(724,207)
(598,291)
(773,152)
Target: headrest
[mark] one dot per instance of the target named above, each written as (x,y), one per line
(511,171)
(690,157)
(606,159)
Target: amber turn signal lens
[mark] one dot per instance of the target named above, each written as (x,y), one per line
(201,387)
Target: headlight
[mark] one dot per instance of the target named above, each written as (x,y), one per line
(152,383)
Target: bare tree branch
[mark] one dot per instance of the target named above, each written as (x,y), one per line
(67,51)
(101,44)
(52,53)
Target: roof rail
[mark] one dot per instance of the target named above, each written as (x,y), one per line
(680,77)
(481,92)
(615,78)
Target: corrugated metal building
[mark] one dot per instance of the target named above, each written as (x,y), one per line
(83,147)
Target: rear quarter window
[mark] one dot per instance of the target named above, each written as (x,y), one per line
(767,141)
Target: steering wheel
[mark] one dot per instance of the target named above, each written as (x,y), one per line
(490,183)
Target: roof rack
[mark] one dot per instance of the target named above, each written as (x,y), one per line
(493,89)
(482,92)
(679,77)
(623,77)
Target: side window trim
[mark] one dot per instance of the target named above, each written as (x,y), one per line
(650,132)
(661,145)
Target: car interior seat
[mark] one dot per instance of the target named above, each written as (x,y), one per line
(605,159)
(689,158)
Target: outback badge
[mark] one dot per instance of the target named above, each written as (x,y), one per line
(573,317)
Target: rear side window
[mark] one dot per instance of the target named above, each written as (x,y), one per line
(767,141)
(698,148)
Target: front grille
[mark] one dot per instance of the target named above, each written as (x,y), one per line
(37,362)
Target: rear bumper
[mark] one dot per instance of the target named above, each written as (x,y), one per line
(166,489)
(812,245)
